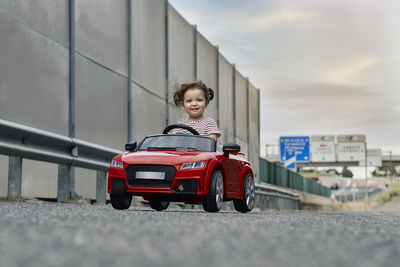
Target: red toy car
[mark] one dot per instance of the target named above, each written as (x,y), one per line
(181,168)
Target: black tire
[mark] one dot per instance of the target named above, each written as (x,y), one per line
(214,200)
(246,204)
(159,204)
(121,201)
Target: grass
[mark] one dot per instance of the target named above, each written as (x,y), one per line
(311,176)
(386,196)
(356,206)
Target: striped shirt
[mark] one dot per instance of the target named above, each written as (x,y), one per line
(205,126)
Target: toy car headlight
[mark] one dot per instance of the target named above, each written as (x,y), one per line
(193,165)
(117,164)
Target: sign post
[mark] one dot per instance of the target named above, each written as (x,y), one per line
(354,148)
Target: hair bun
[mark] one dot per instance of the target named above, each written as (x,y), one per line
(210,94)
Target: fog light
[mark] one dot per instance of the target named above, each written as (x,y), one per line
(187,186)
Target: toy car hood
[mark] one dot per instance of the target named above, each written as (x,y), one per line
(166,157)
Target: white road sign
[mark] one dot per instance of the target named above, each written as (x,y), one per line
(323,148)
(351,151)
(351,147)
(374,157)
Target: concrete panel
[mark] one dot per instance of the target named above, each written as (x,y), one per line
(85,183)
(33,78)
(176,113)
(225,100)
(39,179)
(181,49)
(253,113)
(48,17)
(3,176)
(148,45)
(241,106)
(101,105)
(148,113)
(244,148)
(254,150)
(207,70)
(101,32)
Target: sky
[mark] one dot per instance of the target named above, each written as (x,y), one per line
(323,67)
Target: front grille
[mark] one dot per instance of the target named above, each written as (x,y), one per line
(169,171)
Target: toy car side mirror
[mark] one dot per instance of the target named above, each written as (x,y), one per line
(130,146)
(230,148)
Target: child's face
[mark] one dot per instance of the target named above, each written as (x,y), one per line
(194,103)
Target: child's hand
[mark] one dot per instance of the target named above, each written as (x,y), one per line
(214,136)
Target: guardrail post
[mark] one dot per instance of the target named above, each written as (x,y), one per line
(101,187)
(64,183)
(14,177)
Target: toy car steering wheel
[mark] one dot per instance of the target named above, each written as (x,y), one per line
(181,126)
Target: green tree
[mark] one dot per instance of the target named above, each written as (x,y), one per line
(346,172)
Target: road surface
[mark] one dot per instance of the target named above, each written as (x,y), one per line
(51,234)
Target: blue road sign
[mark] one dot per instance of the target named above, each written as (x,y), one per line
(301,145)
(290,157)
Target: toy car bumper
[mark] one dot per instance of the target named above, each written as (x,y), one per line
(180,186)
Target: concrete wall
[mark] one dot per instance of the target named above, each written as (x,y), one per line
(226,100)
(181,58)
(253,129)
(241,112)
(207,70)
(35,88)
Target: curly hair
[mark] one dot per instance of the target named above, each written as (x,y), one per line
(180,91)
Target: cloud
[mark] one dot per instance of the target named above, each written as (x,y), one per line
(349,72)
(287,14)
(348,49)
(294,107)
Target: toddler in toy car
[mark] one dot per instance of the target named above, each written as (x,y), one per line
(194,97)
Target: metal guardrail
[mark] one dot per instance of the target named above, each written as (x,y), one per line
(272,191)
(274,174)
(26,142)
(19,141)
(268,197)
(348,195)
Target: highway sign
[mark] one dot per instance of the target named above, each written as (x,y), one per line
(301,144)
(351,147)
(351,151)
(290,156)
(374,158)
(323,148)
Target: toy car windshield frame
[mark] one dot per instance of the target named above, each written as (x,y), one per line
(178,142)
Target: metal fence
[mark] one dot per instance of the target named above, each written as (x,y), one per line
(272,173)
(19,141)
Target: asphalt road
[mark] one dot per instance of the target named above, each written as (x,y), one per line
(51,234)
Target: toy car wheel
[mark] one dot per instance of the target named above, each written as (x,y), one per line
(159,204)
(246,204)
(121,201)
(213,201)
